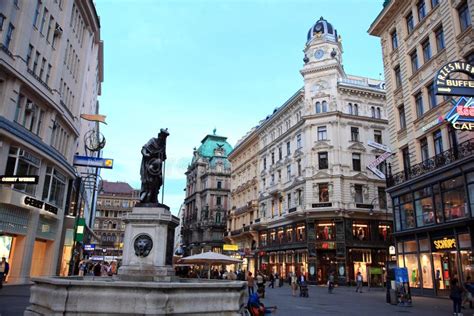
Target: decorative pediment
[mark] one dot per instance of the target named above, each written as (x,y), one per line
(360,176)
(321,144)
(357,146)
(321,174)
(298,153)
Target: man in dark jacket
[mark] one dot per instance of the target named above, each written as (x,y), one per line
(4,268)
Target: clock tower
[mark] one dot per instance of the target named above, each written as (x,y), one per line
(322,66)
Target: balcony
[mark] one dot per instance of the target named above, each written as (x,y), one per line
(443,159)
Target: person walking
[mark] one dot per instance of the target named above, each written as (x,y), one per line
(272,281)
(456,296)
(250,283)
(294,284)
(469,293)
(331,282)
(260,284)
(4,268)
(359,280)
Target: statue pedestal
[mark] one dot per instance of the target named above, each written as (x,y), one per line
(139,262)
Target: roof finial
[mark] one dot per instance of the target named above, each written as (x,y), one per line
(321,18)
(214,131)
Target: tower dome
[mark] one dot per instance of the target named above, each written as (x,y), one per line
(322,28)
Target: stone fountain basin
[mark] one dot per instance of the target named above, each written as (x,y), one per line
(107,296)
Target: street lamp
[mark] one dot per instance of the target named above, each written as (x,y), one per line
(104,251)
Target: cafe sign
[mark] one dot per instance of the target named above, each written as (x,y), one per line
(446,243)
(446,85)
(461,116)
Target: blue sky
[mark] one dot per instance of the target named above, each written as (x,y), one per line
(196,65)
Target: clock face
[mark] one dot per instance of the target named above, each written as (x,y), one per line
(319,54)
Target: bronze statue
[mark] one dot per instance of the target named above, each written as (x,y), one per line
(151,171)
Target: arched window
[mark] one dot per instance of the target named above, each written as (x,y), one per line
(109,225)
(318,107)
(218,217)
(325,106)
(379,113)
(104,225)
(114,225)
(113,237)
(372,109)
(349,108)
(356,109)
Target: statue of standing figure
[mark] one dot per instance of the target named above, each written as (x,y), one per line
(151,171)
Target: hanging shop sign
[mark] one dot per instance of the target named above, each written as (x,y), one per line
(32,202)
(445,85)
(372,166)
(461,116)
(446,243)
(90,247)
(81,223)
(391,250)
(379,146)
(229,247)
(19,179)
(86,161)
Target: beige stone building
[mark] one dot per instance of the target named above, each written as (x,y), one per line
(241,230)
(50,73)
(432,172)
(320,209)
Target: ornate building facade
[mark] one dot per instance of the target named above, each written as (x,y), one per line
(320,210)
(432,174)
(244,199)
(51,69)
(207,196)
(115,200)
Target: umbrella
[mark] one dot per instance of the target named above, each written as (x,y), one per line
(209,258)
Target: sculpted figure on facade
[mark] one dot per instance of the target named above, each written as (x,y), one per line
(151,171)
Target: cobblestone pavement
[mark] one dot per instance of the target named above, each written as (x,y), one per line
(345,301)
(14,299)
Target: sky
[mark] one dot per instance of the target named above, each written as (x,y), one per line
(195,65)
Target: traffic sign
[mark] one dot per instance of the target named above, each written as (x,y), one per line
(93,162)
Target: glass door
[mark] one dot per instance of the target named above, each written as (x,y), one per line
(445,269)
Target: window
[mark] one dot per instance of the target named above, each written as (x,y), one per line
(43,63)
(48,73)
(431,95)
(273,157)
(323,160)
(434,3)
(358,196)
(349,109)
(35,62)
(356,162)
(438,142)
(45,11)
(379,113)
(354,134)
(325,231)
(401,115)
(421,10)
(406,158)
(8,37)
(372,111)
(279,175)
(470,58)
(378,136)
(419,104)
(2,19)
(323,192)
(414,61)
(356,109)
(398,77)
(218,200)
(288,148)
(322,133)
(219,184)
(37,11)
(28,55)
(54,186)
(360,231)
(299,167)
(22,163)
(288,172)
(50,26)
(424,208)
(280,153)
(318,107)
(394,38)
(424,149)
(406,211)
(439,33)
(426,50)
(410,23)
(264,163)
(325,106)
(382,197)
(454,198)
(298,141)
(464,16)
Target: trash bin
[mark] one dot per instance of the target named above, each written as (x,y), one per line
(393,297)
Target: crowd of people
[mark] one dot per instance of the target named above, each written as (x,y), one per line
(100,268)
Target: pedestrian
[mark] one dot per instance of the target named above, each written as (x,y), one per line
(250,283)
(260,284)
(272,281)
(82,268)
(456,296)
(469,293)
(97,269)
(359,280)
(330,282)
(4,268)
(294,284)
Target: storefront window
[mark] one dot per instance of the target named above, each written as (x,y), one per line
(54,186)
(280,235)
(360,231)
(425,263)
(22,163)
(464,241)
(400,261)
(289,234)
(6,247)
(424,245)
(424,207)
(445,267)
(454,198)
(407,212)
(438,204)
(467,264)
(410,246)
(325,231)
(300,233)
(411,263)
(263,240)
(384,231)
(272,236)
(396,210)
(400,248)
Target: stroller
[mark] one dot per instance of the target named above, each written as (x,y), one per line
(304,289)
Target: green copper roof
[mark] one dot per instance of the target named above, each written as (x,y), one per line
(212,142)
